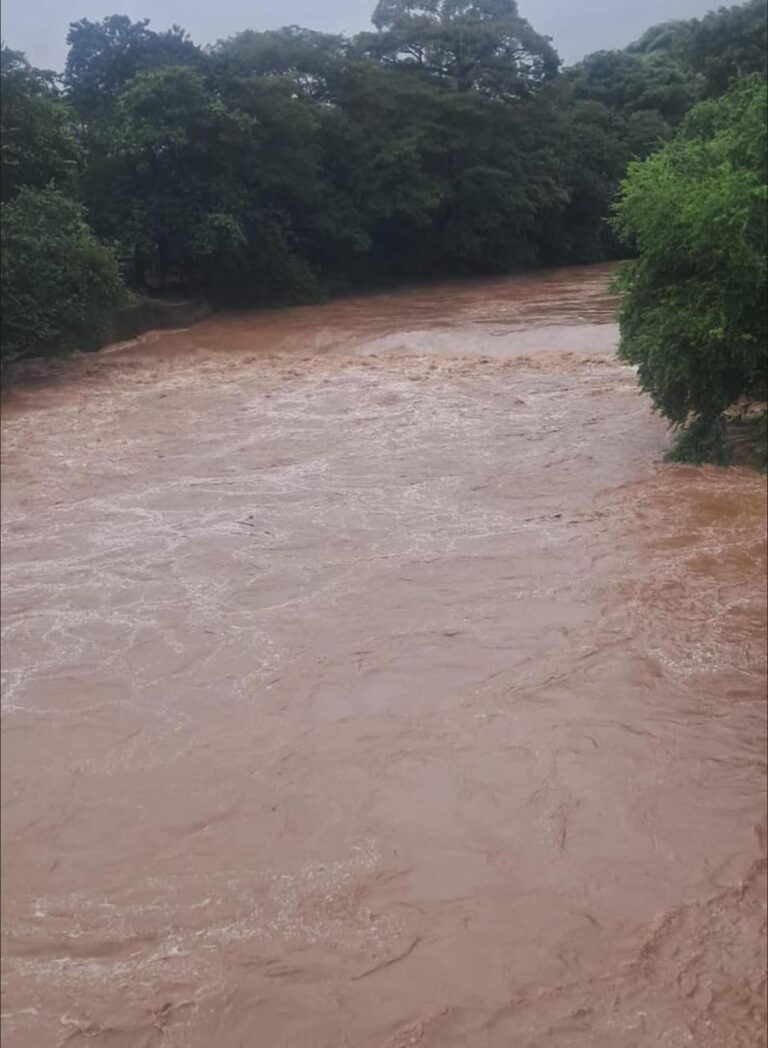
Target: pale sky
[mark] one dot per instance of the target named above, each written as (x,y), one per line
(39,27)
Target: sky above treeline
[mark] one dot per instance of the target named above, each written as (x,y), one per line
(39,27)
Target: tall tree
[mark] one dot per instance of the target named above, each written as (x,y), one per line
(37,140)
(104,56)
(178,165)
(472,44)
(302,57)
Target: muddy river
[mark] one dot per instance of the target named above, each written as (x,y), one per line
(370,683)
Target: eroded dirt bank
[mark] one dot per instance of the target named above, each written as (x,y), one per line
(368,683)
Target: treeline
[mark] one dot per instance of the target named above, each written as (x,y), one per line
(280,167)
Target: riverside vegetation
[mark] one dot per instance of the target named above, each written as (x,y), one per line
(280,167)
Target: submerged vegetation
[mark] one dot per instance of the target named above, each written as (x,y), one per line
(279,167)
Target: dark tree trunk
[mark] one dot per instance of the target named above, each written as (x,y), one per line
(139,268)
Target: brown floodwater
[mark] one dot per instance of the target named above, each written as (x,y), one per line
(370,683)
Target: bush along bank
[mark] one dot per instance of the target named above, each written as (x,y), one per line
(694,318)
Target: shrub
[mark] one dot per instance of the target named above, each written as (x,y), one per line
(59,284)
(693,318)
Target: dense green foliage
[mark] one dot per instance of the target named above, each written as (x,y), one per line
(39,144)
(725,44)
(482,45)
(694,317)
(59,283)
(281,166)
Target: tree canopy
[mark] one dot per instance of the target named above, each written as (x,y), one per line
(39,143)
(483,45)
(105,56)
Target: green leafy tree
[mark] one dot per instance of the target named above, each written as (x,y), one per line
(59,284)
(645,131)
(176,172)
(105,56)
(471,44)
(694,313)
(727,43)
(279,81)
(628,83)
(612,107)
(434,180)
(595,153)
(301,57)
(382,172)
(505,176)
(667,38)
(37,140)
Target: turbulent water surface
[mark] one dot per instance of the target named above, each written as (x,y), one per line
(369,683)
